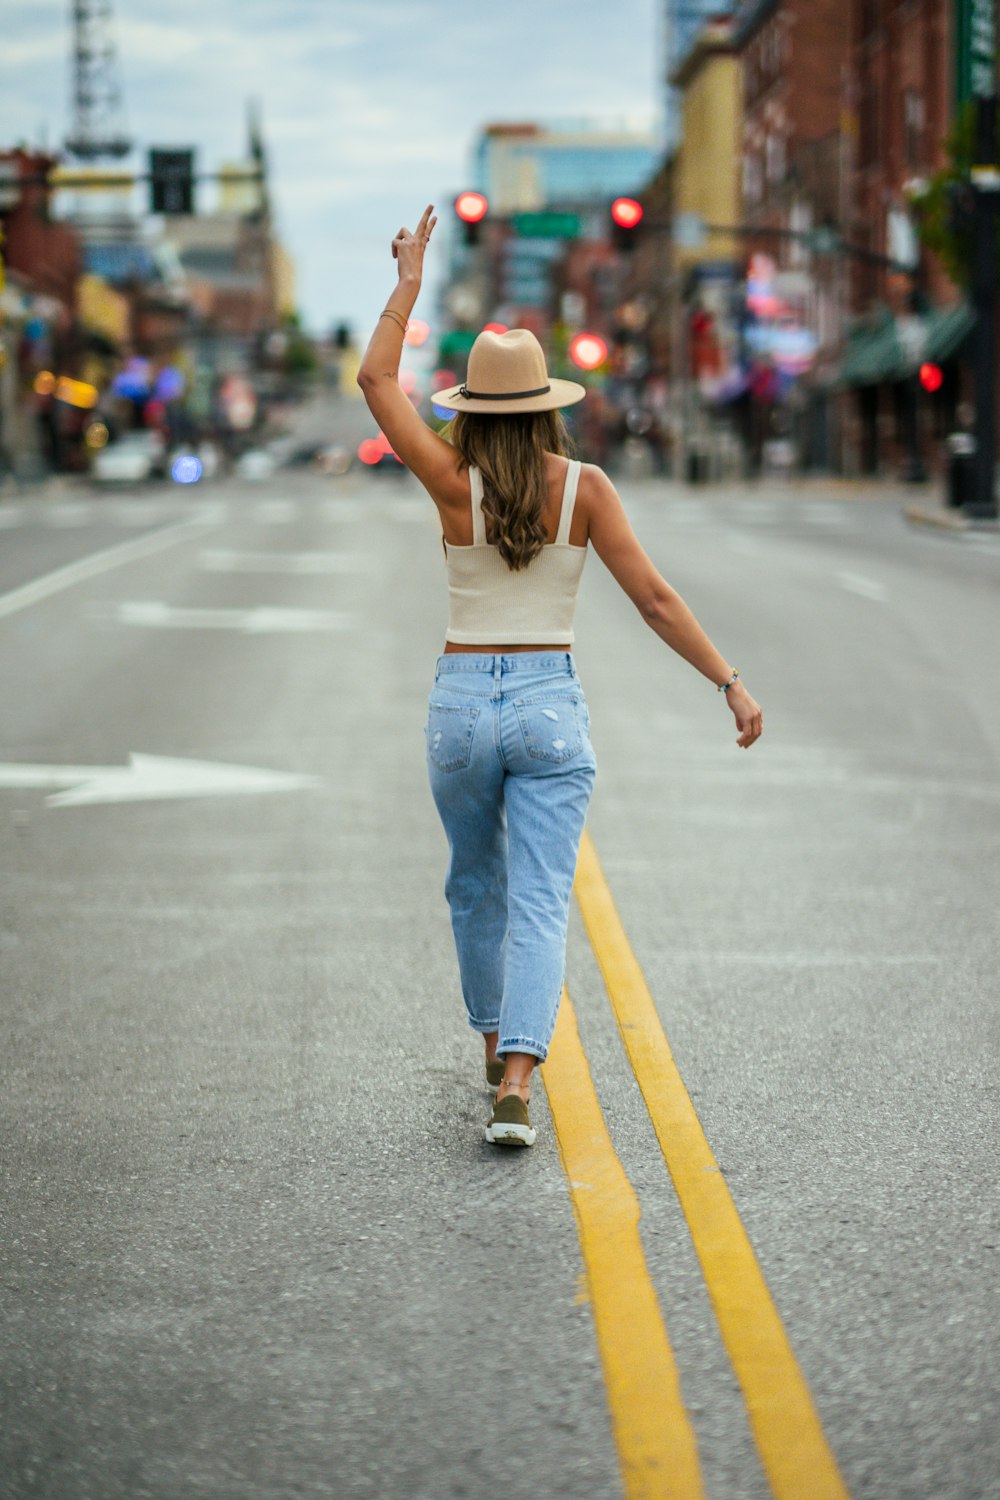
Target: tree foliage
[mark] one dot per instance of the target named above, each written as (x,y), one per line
(943,209)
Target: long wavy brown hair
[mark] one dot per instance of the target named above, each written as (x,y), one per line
(509,451)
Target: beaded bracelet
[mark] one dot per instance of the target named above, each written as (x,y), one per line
(724,687)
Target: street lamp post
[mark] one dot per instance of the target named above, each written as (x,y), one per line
(986,182)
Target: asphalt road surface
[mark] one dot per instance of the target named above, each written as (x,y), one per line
(253,1243)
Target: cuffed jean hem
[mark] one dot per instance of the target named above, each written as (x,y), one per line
(523,1044)
(484,1026)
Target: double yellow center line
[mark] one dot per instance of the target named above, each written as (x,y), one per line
(655,1440)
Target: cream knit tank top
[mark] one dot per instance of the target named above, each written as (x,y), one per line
(489,604)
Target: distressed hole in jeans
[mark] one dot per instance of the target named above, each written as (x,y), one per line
(550,713)
(558,744)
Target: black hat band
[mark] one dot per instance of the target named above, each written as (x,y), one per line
(542,390)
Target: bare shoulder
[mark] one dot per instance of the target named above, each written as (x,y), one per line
(596,497)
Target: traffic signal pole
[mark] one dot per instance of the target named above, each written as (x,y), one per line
(985,181)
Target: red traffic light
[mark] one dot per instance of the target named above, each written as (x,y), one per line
(931,377)
(626,212)
(588,350)
(471,207)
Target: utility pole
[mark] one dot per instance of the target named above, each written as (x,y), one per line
(980,40)
(986,181)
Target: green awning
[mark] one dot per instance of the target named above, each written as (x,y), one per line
(948,329)
(873,355)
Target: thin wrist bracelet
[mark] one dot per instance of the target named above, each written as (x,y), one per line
(724,687)
(391,313)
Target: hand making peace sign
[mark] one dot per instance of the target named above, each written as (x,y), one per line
(408,249)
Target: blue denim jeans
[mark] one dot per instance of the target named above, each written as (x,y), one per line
(511,770)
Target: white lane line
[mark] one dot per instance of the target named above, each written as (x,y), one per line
(68,513)
(11,515)
(859,583)
(823,513)
(685,512)
(219,560)
(262,620)
(274,512)
(343,510)
(757,512)
(212,512)
(139,512)
(97,562)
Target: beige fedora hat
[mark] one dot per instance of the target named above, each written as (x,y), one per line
(507,374)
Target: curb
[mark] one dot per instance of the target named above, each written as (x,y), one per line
(927,515)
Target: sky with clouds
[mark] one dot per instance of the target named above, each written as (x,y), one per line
(369,107)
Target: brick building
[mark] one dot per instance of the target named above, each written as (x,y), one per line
(44,251)
(38,304)
(794,56)
(901,106)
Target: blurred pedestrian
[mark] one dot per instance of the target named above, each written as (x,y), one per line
(508,730)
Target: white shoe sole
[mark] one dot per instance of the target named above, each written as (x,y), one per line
(510,1135)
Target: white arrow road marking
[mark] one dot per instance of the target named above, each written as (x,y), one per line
(97,562)
(219,560)
(150,778)
(857,583)
(259,621)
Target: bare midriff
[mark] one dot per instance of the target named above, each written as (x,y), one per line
(452,646)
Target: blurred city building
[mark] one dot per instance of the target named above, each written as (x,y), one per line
(541,257)
(775,306)
(164,319)
(706,259)
(680,22)
(546,185)
(903,95)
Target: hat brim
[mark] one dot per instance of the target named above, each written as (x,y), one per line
(560,393)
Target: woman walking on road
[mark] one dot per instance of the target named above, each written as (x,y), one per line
(508,745)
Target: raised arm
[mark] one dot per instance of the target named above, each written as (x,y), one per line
(662,608)
(424,453)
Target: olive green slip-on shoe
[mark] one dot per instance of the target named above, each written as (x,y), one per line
(494,1074)
(509,1123)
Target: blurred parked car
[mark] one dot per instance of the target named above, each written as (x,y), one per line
(256,464)
(135,457)
(332,459)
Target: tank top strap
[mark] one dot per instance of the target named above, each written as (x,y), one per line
(568,502)
(476,496)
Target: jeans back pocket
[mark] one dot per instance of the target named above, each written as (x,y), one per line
(449,733)
(554,728)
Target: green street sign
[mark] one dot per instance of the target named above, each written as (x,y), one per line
(546,226)
(455,341)
(975,49)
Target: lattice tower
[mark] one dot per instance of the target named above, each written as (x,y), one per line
(98,112)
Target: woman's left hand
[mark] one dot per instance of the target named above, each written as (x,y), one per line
(408,249)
